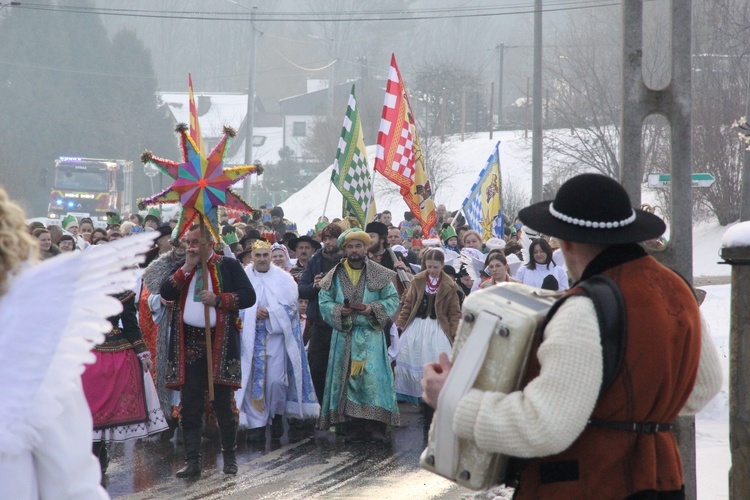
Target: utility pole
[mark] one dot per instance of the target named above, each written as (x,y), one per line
(528,109)
(537,174)
(674,103)
(492,98)
(331,78)
(250,113)
(501,49)
(463,113)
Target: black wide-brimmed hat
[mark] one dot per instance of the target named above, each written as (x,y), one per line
(592,208)
(293,243)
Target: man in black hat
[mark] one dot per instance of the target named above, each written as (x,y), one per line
(319,265)
(303,247)
(249,238)
(596,416)
(378,249)
(278,223)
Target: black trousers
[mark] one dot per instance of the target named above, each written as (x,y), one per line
(192,392)
(317,355)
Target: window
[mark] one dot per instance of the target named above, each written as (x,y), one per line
(299,129)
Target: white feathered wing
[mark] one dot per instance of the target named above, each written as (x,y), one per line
(51,317)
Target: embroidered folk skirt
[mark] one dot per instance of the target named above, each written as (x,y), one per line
(422,342)
(122,397)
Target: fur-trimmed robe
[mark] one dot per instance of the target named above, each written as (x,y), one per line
(359,380)
(154,276)
(230,283)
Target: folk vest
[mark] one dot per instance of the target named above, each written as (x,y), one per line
(654,381)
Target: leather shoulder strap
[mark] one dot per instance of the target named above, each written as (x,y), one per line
(612,318)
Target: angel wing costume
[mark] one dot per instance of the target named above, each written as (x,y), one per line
(52,315)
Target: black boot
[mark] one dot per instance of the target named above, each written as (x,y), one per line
(192,438)
(228,445)
(100,451)
(277,427)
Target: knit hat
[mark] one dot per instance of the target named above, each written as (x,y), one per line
(593,208)
(69,221)
(448,233)
(354,233)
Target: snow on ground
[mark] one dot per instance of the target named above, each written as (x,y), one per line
(707,238)
(713,458)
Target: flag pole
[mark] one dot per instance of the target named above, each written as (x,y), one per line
(325,206)
(206,311)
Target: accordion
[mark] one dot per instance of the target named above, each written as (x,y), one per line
(490,353)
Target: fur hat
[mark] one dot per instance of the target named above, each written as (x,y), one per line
(378,228)
(593,208)
(277,212)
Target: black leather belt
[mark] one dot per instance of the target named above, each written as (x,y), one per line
(197,332)
(641,427)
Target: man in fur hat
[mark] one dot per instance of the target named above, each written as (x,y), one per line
(591,426)
(357,298)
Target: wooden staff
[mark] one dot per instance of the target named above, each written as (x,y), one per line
(206,311)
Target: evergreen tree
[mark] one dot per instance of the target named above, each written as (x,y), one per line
(70,91)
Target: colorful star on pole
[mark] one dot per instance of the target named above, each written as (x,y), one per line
(201,184)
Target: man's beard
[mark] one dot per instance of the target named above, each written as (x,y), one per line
(376,248)
(355,258)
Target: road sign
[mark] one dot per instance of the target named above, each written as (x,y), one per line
(665,180)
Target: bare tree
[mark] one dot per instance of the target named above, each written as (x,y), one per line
(583,103)
(720,67)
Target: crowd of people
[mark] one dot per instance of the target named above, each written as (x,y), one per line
(331,330)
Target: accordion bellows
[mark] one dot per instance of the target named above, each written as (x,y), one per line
(490,353)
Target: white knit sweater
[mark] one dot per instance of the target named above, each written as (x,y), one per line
(553,409)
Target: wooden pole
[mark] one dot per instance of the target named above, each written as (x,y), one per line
(205,239)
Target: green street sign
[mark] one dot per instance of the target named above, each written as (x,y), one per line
(665,180)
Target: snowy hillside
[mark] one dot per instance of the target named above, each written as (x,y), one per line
(469,157)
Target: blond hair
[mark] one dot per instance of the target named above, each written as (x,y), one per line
(16,244)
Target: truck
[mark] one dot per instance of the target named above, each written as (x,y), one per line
(90,187)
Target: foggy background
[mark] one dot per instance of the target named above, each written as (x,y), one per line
(81,78)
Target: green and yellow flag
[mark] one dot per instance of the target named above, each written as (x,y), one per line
(351,173)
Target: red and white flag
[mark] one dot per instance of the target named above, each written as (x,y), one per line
(399,156)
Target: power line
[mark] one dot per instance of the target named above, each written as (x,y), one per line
(354,16)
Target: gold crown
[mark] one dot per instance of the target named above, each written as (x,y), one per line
(257,244)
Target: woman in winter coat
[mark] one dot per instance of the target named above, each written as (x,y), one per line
(540,266)
(498,269)
(429,318)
